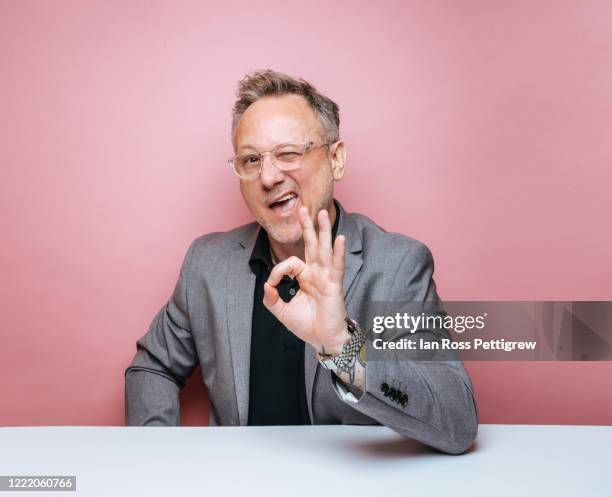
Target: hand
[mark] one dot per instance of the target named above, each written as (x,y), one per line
(316,314)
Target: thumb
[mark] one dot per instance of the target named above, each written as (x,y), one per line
(272,299)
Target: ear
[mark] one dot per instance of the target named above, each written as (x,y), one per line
(337,156)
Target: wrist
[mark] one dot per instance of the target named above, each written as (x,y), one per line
(350,352)
(333,347)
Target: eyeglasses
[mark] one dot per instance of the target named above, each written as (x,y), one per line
(286,157)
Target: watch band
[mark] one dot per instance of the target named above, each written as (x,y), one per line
(350,350)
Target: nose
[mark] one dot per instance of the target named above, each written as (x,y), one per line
(270,174)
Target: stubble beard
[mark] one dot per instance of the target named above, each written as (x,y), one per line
(289,231)
(285,232)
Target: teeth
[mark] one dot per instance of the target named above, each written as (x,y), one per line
(285,197)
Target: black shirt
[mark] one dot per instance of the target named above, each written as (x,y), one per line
(277,393)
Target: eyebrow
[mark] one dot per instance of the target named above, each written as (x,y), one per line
(251,147)
(246,146)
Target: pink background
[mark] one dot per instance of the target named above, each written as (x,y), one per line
(482,128)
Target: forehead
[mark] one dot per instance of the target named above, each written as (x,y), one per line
(273,120)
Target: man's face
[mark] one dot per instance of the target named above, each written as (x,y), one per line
(267,123)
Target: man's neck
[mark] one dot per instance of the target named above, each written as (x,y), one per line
(282,251)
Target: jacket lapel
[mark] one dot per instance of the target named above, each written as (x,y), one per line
(239,311)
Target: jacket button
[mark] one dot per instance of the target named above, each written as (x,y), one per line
(385,389)
(404,400)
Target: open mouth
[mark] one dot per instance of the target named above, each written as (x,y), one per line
(284,203)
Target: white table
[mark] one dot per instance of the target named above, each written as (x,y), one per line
(311,461)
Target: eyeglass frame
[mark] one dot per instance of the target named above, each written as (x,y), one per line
(308,145)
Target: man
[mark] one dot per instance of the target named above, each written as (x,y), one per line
(272,310)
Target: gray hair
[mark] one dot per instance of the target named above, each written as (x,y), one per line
(269,83)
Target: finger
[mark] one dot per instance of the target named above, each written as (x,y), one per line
(338,258)
(293,266)
(309,235)
(325,246)
(272,300)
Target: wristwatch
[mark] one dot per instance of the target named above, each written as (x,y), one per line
(350,350)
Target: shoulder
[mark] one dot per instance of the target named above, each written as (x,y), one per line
(402,265)
(382,244)
(220,242)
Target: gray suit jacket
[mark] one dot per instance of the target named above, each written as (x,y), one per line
(208,321)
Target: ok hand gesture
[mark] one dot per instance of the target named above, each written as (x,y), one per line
(316,313)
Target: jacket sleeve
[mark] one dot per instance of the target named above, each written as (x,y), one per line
(440,410)
(165,357)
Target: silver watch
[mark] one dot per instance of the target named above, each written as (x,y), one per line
(349,351)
